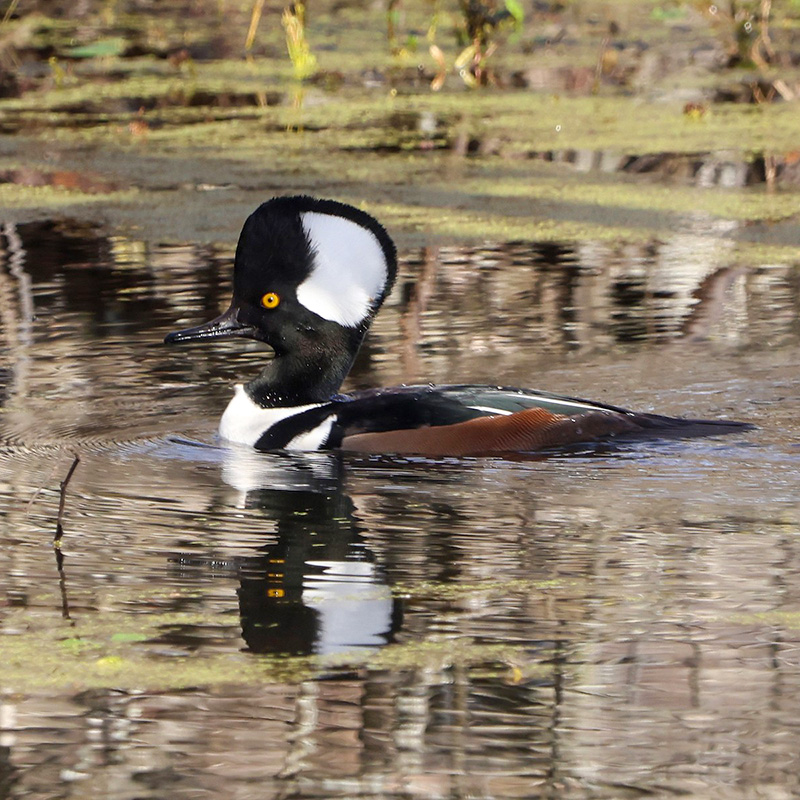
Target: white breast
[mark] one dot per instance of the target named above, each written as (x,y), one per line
(245,422)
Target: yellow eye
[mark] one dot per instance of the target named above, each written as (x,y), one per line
(270,300)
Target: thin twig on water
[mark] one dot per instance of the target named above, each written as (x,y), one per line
(64,483)
(59,534)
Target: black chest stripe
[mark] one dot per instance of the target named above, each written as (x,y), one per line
(282,432)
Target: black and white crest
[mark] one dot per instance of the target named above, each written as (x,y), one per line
(342,261)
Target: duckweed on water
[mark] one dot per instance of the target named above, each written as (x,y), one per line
(376,138)
(443,653)
(134,651)
(440,193)
(458,591)
(462,225)
(719,203)
(77,665)
(404,147)
(130,660)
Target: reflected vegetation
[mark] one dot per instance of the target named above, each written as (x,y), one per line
(348,626)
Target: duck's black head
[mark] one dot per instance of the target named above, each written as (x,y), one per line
(309,276)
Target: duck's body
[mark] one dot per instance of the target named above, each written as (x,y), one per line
(309,277)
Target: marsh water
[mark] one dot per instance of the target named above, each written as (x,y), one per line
(611,622)
(614,215)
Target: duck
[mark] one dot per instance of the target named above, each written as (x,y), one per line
(309,276)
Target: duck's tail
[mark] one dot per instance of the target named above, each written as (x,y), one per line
(679,427)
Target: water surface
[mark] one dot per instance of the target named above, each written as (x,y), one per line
(612,622)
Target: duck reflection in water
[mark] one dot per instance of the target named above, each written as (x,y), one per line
(314,587)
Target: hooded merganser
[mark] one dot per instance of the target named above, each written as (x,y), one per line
(309,276)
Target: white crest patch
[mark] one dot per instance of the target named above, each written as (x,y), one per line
(349,269)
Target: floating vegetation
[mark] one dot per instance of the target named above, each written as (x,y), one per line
(555,104)
(96,652)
